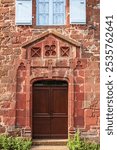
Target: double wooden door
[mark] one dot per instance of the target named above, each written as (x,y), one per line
(50,111)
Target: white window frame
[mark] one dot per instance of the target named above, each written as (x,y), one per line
(51,11)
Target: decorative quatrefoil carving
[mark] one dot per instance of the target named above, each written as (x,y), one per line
(50,50)
(35,51)
(64,50)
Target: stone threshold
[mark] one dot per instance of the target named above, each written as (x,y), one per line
(51,142)
(49,148)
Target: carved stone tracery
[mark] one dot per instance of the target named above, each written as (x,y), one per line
(50,50)
(64,50)
(35,52)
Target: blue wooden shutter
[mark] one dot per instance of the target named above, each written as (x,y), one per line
(42,12)
(77,11)
(58,12)
(23,12)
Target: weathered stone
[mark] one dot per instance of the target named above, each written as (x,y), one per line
(78,63)
(4,10)
(87,104)
(5,96)
(5,104)
(3,73)
(2,129)
(79,80)
(2,58)
(7,51)
(9,121)
(7,1)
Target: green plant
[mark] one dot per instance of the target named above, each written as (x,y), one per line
(27,145)
(5,142)
(76,143)
(14,143)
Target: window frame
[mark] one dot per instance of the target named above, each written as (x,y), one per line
(67,17)
(51,12)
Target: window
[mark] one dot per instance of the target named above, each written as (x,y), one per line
(50,12)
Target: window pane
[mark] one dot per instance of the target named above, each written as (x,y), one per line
(43,7)
(50,12)
(43,19)
(58,11)
(43,12)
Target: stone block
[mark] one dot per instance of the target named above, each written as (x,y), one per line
(21,101)
(93,65)
(9,121)
(79,121)
(79,96)
(20,121)
(4,10)
(81,73)
(79,80)
(88,112)
(89,87)
(7,1)
(3,72)
(2,129)
(87,104)
(5,104)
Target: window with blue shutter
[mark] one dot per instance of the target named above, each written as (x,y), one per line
(23,12)
(77,11)
(50,12)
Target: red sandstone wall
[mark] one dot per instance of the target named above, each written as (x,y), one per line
(87,90)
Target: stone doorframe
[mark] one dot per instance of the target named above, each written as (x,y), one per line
(71,98)
(51,56)
(71,128)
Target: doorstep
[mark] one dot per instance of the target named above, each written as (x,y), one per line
(49,148)
(50,144)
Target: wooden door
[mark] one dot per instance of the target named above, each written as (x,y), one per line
(50,110)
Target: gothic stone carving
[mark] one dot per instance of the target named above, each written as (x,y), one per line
(35,51)
(50,50)
(64,51)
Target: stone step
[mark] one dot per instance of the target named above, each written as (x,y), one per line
(49,148)
(50,142)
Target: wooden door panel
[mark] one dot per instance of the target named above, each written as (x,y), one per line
(41,101)
(59,127)
(41,113)
(59,101)
(41,127)
(59,104)
(50,111)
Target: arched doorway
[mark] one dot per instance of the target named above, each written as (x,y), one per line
(50,109)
